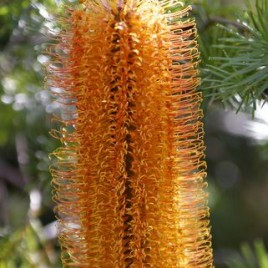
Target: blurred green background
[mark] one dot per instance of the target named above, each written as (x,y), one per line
(237,148)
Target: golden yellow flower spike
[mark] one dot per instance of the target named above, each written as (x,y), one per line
(128,179)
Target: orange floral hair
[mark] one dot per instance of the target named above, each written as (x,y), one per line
(129,177)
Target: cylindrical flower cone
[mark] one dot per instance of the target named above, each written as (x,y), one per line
(129,177)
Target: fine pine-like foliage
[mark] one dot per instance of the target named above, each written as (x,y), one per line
(128,179)
(238,69)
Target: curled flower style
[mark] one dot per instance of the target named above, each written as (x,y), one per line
(129,177)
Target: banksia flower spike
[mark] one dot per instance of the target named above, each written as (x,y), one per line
(129,177)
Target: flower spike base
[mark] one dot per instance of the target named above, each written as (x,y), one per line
(128,179)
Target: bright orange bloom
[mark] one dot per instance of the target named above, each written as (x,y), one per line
(128,179)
